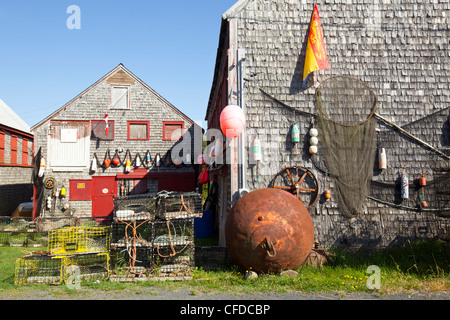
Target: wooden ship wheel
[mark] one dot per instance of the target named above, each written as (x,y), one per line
(299,181)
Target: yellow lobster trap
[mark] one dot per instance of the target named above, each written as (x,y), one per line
(44,269)
(74,240)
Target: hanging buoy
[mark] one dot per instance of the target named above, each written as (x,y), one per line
(295,133)
(314,141)
(423,180)
(116,160)
(158,160)
(128,166)
(313,132)
(107,162)
(232,121)
(94,164)
(41,168)
(313,150)
(137,162)
(423,204)
(405,185)
(148,160)
(122,188)
(327,194)
(49,202)
(257,156)
(63,192)
(382,159)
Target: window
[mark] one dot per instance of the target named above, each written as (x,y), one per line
(98,130)
(2,147)
(173,130)
(138,130)
(13,149)
(133,186)
(24,151)
(120,97)
(68,146)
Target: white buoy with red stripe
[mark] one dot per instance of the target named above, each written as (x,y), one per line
(41,168)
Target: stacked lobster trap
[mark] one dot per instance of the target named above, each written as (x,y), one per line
(77,254)
(153,234)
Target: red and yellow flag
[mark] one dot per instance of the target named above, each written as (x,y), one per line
(316,55)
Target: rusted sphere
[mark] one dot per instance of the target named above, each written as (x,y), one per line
(269,230)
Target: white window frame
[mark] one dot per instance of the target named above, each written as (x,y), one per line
(113,103)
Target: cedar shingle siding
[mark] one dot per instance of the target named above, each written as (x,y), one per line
(400,49)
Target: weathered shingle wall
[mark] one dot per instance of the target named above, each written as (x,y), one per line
(399,48)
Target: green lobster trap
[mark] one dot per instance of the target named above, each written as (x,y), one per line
(73,240)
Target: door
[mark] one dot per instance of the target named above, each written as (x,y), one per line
(104,189)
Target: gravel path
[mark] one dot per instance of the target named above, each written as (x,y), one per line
(154,293)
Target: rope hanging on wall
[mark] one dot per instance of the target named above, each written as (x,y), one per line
(345,109)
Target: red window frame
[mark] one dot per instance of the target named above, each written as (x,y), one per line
(111,127)
(176,123)
(138,122)
(2,146)
(13,149)
(24,151)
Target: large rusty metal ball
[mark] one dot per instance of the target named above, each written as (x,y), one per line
(269,230)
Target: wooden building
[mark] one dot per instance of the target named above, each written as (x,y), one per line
(114,139)
(399,50)
(16,145)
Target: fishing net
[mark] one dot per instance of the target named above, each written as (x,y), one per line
(345,109)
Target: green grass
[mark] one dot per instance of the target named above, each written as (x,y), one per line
(420,265)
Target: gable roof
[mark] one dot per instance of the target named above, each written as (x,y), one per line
(120,71)
(10,119)
(235,9)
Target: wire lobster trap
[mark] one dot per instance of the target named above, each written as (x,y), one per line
(171,205)
(86,267)
(131,260)
(173,260)
(213,257)
(135,207)
(72,240)
(173,232)
(15,224)
(126,233)
(38,269)
(23,239)
(45,269)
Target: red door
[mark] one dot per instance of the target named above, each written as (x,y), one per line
(104,189)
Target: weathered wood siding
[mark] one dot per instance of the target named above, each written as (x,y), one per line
(400,48)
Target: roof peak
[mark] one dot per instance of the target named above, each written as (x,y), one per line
(11,119)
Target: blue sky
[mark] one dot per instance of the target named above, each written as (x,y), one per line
(170,45)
